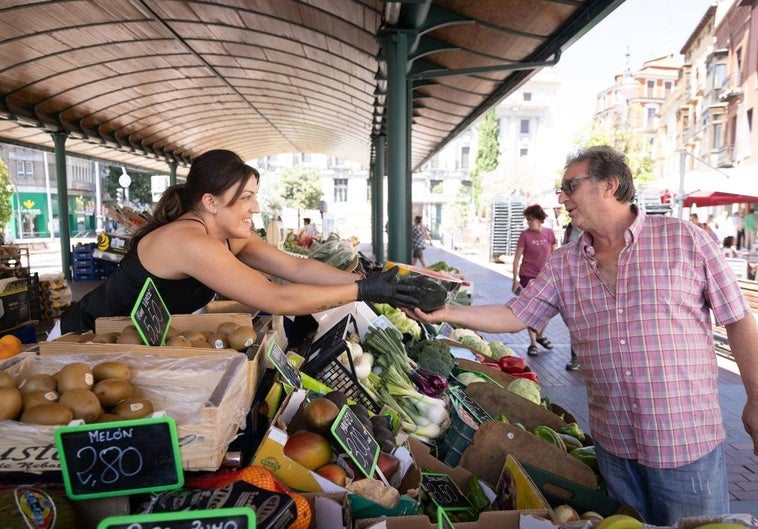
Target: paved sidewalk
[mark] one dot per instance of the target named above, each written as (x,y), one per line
(492,284)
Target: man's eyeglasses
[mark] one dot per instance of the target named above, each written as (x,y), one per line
(569,186)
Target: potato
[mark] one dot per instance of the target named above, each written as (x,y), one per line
(48,414)
(111,391)
(112,369)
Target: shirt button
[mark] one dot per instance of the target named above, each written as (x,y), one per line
(628,373)
(621,311)
(634,406)
(622,342)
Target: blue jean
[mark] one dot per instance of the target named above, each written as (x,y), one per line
(664,495)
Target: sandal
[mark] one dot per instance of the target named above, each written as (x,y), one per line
(532,350)
(544,342)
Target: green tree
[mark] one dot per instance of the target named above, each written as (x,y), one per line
(6,198)
(640,162)
(139,189)
(299,187)
(487,155)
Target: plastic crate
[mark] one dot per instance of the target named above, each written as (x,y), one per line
(321,362)
(458,436)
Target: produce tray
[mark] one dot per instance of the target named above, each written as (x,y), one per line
(321,363)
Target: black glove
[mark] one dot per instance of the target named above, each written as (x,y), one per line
(382,288)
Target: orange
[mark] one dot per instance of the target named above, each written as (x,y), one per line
(10,345)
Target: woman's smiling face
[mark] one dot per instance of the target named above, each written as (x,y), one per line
(237,217)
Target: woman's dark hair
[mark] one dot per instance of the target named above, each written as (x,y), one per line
(535,211)
(728,241)
(605,162)
(213,172)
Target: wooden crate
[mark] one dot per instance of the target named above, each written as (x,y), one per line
(208,396)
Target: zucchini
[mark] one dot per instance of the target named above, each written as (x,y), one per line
(570,441)
(551,436)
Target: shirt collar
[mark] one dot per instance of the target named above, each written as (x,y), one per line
(631,234)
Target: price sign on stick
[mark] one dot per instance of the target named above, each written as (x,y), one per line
(444,492)
(443,522)
(150,315)
(289,373)
(470,404)
(357,441)
(226,518)
(119,458)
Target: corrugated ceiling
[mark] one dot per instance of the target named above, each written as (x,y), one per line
(145,82)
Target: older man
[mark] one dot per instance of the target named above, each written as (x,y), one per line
(636,294)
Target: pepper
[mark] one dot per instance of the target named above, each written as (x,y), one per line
(573,430)
(493,365)
(586,454)
(551,436)
(476,494)
(512,364)
(531,375)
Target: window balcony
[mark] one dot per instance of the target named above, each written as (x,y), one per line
(729,93)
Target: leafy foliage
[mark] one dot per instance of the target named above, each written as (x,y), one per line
(299,187)
(487,155)
(139,189)
(6,197)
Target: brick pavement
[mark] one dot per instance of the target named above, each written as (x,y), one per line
(492,284)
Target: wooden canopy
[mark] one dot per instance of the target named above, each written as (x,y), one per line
(152,82)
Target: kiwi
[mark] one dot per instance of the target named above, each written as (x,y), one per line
(7,380)
(130,337)
(38,382)
(111,391)
(133,408)
(75,375)
(218,341)
(171,332)
(195,335)
(48,414)
(83,403)
(39,396)
(178,341)
(201,344)
(242,337)
(111,369)
(225,327)
(108,417)
(10,403)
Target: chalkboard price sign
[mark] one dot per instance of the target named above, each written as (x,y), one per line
(357,441)
(225,518)
(473,407)
(444,492)
(289,373)
(445,330)
(150,315)
(119,458)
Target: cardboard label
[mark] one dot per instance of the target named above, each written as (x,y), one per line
(118,458)
(444,492)
(289,373)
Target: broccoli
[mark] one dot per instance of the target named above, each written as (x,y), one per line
(434,356)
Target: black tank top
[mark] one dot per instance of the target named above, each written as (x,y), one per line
(117,295)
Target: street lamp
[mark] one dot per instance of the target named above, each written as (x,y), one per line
(125,181)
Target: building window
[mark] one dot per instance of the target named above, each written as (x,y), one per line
(527,96)
(650,117)
(667,85)
(340,190)
(435,187)
(650,88)
(524,126)
(465,157)
(716,140)
(24,170)
(523,151)
(719,75)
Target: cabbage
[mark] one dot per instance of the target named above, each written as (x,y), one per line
(526,388)
(397,317)
(468,377)
(499,350)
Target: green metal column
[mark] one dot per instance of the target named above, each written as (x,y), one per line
(377,198)
(172,173)
(396,45)
(59,138)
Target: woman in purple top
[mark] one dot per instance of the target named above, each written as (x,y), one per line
(534,246)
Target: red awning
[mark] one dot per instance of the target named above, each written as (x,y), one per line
(716,198)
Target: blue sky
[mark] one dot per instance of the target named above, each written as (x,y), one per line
(646,28)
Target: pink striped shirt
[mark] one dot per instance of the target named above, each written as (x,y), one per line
(646,352)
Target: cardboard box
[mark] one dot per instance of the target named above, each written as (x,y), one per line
(487,520)
(495,440)
(331,510)
(270,454)
(14,308)
(362,313)
(497,401)
(208,396)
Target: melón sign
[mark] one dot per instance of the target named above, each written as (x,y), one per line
(225,518)
(119,458)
